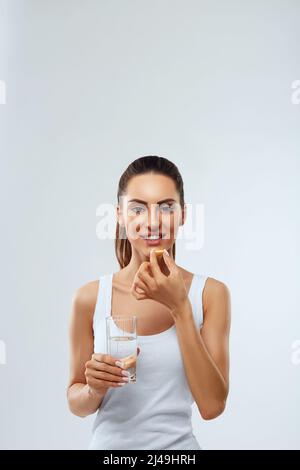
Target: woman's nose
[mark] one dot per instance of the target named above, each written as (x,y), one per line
(153,218)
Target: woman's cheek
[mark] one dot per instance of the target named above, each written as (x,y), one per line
(132,229)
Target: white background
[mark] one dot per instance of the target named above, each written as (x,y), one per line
(92,85)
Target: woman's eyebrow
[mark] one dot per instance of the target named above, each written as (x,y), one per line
(158,202)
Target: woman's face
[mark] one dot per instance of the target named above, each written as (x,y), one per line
(151,206)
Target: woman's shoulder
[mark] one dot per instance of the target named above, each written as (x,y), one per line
(216,295)
(85,297)
(215,287)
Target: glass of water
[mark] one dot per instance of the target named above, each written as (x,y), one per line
(122,341)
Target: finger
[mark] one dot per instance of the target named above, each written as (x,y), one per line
(147,279)
(141,296)
(102,366)
(171,265)
(122,364)
(135,289)
(139,290)
(107,358)
(146,268)
(110,377)
(129,361)
(105,383)
(137,295)
(139,282)
(154,265)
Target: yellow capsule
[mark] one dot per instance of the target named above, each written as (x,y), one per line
(159,253)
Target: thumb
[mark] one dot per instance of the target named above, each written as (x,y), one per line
(168,260)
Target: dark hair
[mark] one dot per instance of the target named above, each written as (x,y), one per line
(147,164)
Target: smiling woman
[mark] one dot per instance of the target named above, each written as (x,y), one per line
(183,322)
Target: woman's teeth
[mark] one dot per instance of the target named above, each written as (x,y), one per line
(153,237)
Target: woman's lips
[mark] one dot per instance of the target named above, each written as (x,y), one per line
(154,242)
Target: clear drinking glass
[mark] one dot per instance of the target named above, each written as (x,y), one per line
(122,341)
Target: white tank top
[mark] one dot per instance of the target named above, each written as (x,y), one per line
(155,412)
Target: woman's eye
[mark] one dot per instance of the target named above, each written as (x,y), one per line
(137,209)
(164,208)
(167,208)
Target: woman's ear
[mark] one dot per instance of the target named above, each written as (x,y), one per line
(121,222)
(119,216)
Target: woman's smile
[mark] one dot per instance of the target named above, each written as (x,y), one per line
(153,240)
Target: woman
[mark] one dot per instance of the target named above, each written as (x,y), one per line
(183,326)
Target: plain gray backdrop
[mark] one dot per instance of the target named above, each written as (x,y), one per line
(91,86)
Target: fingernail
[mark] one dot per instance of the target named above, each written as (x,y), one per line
(165,251)
(126,373)
(120,384)
(126,379)
(119,364)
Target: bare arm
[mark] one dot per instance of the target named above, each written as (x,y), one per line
(81,398)
(91,374)
(206,353)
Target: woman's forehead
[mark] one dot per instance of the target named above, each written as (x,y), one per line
(151,188)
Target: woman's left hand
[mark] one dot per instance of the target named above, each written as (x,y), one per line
(153,284)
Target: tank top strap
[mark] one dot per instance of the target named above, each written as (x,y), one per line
(103,303)
(197,304)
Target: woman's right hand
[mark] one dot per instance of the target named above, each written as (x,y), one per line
(101,373)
